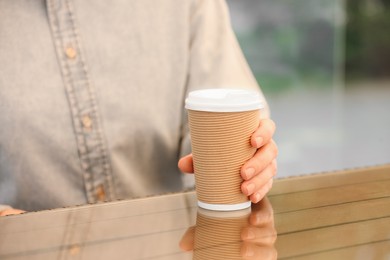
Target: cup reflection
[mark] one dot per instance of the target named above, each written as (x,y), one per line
(244,234)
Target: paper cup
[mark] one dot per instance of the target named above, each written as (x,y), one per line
(218,236)
(221,123)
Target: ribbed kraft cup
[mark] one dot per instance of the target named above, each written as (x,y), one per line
(218,238)
(220,146)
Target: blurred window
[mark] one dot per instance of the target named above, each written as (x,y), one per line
(324,66)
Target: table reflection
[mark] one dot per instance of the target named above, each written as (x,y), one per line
(339,215)
(244,234)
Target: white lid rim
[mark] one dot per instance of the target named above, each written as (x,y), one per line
(224,100)
(230,108)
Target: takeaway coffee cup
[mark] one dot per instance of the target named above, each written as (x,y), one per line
(221,123)
(218,234)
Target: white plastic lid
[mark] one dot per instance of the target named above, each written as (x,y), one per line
(224,100)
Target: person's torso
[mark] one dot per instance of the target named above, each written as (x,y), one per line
(91,99)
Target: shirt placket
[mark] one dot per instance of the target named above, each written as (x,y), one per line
(81,96)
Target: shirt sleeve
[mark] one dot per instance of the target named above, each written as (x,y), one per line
(216,59)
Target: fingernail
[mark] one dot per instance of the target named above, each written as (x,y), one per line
(257,198)
(250,188)
(259,141)
(249,173)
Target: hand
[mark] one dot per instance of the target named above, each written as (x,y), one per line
(257,238)
(258,172)
(10,211)
(260,235)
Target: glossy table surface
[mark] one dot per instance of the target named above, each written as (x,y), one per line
(338,215)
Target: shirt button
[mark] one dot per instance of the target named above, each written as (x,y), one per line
(87,122)
(70,53)
(100,193)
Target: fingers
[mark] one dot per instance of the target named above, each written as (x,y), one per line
(265,235)
(261,168)
(186,164)
(262,214)
(11,211)
(264,133)
(258,186)
(259,171)
(262,158)
(260,236)
(259,195)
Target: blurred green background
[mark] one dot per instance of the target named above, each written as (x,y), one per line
(313,43)
(367,39)
(324,67)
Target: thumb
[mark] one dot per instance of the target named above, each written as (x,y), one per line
(186,164)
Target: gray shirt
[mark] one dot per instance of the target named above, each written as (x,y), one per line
(92,94)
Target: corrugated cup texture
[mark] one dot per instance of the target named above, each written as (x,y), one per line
(220,146)
(218,238)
